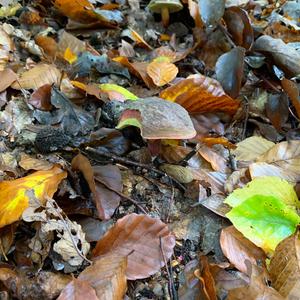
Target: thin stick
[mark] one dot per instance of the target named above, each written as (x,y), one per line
(227,35)
(122,195)
(132,163)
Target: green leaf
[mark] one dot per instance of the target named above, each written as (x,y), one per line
(267,186)
(264,220)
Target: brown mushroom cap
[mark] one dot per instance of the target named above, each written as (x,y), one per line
(172,5)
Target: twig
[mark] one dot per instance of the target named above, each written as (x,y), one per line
(132,163)
(227,35)
(171,283)
(246,119)
(122,195)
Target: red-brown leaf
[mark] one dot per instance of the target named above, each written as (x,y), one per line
(41,98)
(138,237)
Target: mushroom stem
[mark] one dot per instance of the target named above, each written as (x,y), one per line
(165,16)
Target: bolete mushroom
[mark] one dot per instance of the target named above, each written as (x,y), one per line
(165,7)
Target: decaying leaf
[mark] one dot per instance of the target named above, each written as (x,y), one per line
(107,276)
(284,267)
(98,177)
(142,239)
(182,174)
(238,249)
(13,193)
(199,94)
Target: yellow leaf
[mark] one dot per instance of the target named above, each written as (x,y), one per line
(13,193)
(69,56)
(117,92)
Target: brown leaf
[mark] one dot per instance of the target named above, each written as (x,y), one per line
(30,163)
(100,179)
(292,91)
(282,160)
(38,76)
(41,98)
(230,71)
(67,40)
(277,110)
(77,290)
(48,44)
(7,236)
(285,267)
(257,289)
(7,76)
(285,57)
(107,276)
(200,94)
(237,249)
(239,26)
(162,72)
(138,237)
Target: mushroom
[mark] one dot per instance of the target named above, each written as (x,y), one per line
(165,7)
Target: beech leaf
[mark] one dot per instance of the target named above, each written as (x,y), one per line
(142,239)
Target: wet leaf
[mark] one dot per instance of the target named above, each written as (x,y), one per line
(199,94)
(230,70)
(211,11)
(107,276)
(97,178)
(38,76)
(162,71)
(13,193)
(251,148)
(76,290)
(238,25)
(284,267)
(138,237)
(238,249)
(284,56)
(41,98)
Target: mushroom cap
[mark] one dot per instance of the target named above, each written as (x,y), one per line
(172,5)
(162,119)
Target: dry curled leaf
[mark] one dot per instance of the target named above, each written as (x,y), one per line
(238,249)
(107,276)
(7,76)
(285,267)
(143,239)
(200,94)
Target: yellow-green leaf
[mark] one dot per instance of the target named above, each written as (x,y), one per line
(116,92)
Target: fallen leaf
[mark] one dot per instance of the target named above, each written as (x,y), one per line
(284,56)
(13,193)
(251,148)
(283,159)
(30,163)
(107,276)
(97,177)
(38,76)
(239,26)
(138,237)
(292,91)
(7,236)
(211,11)
(41,98)
(139,40)
(230,71)
(69,56)
(182,174)
(117,92)
(67,40)
(238,249)
(257,289)
(162,71)
(284,267)
(7,76)
(76,290)
(200,94)
(48,44)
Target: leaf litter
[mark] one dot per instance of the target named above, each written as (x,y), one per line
(149,149)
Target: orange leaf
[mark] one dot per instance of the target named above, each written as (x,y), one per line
(161,72)
(69,56)
(13,193)
(292,90)
(48,44)
(199,94)
(139,40)
(138,237)
(41,98)
(210,141)
(81,11)
(107,276)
